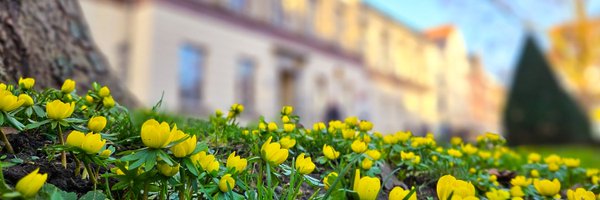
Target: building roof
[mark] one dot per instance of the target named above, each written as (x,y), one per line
(440,32)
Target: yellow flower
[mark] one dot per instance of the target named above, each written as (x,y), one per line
(374,154)
(330,152)
(494,194)
(319,126)
(68,86)
(417,159)
(287,110)
(58,110)
(534,158)
(9,102)
(90,143)
(352,121)
(456,141)
(287,142)
(365,125)
(289,127)
(534,173)
(472,170)
(553,159)
(167,170)
(206,161)
(273,153)
(184,148)
(26,83)
(348,133)
(458,188)
(377,135)
(402,136)
(108,102)
(580,194)
(262,126)
(454,153)
(517,191)
(29,185)
(236,163)
(304,165)
(96,124)
(89,99)
(485,154)
(366,187)
(155,135)
(358,146)
(227,183)
(389,139)
(398,194)
(591,172)
(571,162)
(326,182)
(272,126)
(493,178)
(520,181)
(27,100)
(366,164)
(469,149)
(104,92)
(553,167)
(366,138)
(285,119)
(105,153)
(546,187)
(407,156)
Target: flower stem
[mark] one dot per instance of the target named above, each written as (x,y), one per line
(340,177)
(298,187)
(6,142)
(63,154)
(269,181)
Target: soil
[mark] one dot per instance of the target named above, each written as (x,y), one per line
(28,147)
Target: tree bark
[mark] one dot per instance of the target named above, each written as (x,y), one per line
(50,41)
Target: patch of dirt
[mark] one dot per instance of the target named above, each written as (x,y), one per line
(28,147)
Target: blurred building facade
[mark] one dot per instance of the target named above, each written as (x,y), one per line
(329,59)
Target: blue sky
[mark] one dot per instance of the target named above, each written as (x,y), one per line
(494,29)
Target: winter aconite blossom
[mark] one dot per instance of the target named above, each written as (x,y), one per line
(9,102)
(580,194)
(273,153)
(448,185)
(108,102)
(399,193)
(495,194)
(27,100)
(374,154)
(288,128)
(358,146)
(185,147)
(366,164)
(104,92)
(167,170)
(58,110)
(328,180)
(330,153)
(287,142)
(226,183)
(29,185)
(366,187)
(68,86)
(236,163)
(206,161)
(546,187)
(520,181)
(156,135)
(571,162)
(287,110)
(26,83)
(91,143)
(304,165)
(96,124)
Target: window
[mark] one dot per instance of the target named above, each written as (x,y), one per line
(246,79)
(238,6)
(191,74)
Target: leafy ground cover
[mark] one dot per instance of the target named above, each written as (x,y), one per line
(59,145)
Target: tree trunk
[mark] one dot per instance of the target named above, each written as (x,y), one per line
(50,41)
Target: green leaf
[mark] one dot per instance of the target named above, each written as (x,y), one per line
(39,111)
(150,160)
(165,158)
(18,125)
(93,195)
(36,124)
(2,118)
(313,181)
(74,120)
(190,166)
(28,111)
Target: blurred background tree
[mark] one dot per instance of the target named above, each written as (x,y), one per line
(539,110)
(50,41)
